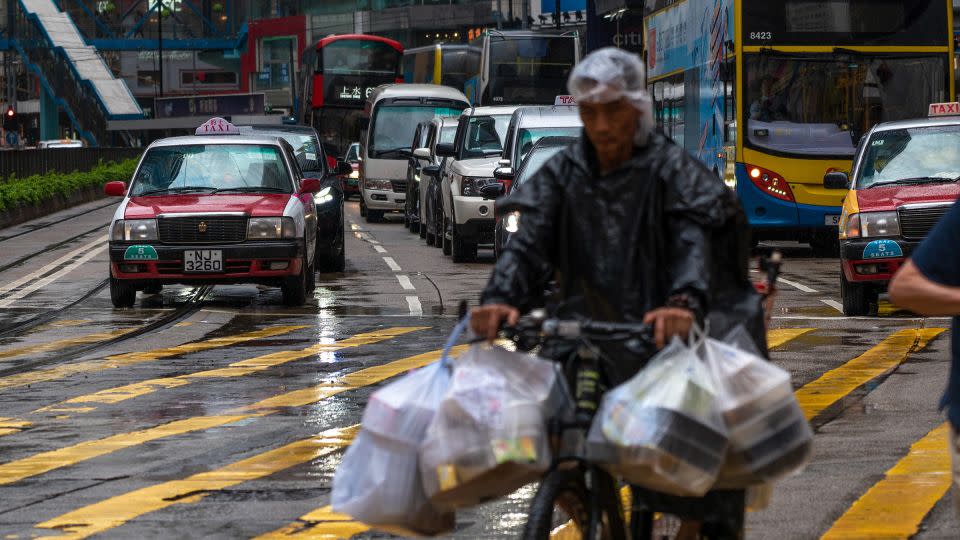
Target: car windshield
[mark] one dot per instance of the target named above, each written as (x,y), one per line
(353,154)
(820,105)
(484,136)
(537,158)
(393,126)
(306,149)
(211,167)
(919,155)
(527,137)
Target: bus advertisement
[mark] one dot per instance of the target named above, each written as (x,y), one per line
(522,67)
(773,95)
(337,76)
(446,64)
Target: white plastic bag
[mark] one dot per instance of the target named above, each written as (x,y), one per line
(769,434)
(662,429)
(378,481)
(489,436)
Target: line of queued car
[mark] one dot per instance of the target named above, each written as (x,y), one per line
(458,164)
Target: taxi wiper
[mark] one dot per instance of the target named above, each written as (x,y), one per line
(187,189)
(916,180)
(251,189)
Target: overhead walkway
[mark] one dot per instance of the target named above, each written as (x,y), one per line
(74,75)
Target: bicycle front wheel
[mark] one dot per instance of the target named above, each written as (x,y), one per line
(561,504)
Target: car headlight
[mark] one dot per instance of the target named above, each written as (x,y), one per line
(872,224)
(355,175)
(511,222)
(470,186)
(134,230)
(270,228)
(323,196)
(383,185)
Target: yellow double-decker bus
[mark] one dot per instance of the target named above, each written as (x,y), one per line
(774,94)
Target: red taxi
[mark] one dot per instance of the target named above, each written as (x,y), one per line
(223,206)
(905,177)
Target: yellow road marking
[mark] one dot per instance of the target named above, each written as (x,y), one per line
(63,343)
(132,358)
(12,425)
(817,395)
(62,323)
(14,471)
(236,369)
(895,506)
(113,512)
(781,336)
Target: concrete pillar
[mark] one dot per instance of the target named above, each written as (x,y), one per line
(49,116)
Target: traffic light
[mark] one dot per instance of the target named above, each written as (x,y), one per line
(10,119)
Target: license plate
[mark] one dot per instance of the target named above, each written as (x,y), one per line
(202,260)
(831,220)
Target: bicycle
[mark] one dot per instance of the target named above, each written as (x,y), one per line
(577,493)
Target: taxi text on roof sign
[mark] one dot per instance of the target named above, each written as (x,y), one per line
(944,109)
(564,100)
(217,126)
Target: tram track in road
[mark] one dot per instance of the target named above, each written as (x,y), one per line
(22,327)
(191,306)
(42,226)
(49,247)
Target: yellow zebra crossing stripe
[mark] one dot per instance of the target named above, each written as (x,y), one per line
(63,343)
(236,369)
(133,358)
(12,425)
(895,506)
(115,511)
(15,471)
(781,336)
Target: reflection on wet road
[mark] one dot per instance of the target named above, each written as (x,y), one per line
(220,413)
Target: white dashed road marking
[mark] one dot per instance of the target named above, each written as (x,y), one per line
(415,307)
(392,264)
(795,285)
(380,249)
(405,283)
(834,304)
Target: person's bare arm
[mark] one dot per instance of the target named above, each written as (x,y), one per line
(912,290)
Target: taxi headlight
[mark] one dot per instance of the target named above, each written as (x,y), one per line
(879,224)
(134,230)
(270,228)
(511,222)
(383,185)
(323,196)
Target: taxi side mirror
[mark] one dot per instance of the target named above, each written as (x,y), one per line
(310,185)
(115,189)
(836,180)
(503,173)
(343,168)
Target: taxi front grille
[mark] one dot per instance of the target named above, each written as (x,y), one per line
(916,222)
(202,230)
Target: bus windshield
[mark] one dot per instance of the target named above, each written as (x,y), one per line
(484,136)
(820,105)
(921,155)
(529,70)
(458,65)
(393,125)
(360,57)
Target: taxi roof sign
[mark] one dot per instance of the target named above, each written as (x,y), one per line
(218,126)
(944,109)
(564,100)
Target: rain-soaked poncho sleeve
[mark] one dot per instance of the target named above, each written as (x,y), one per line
(524,265)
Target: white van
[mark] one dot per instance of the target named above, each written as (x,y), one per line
(391,115)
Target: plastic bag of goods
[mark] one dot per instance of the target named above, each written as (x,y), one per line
(769,435)
(378,481)
(662,429)
(489,436)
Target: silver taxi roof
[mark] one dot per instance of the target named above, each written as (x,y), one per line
(244,138)
(548,116)
(918,123)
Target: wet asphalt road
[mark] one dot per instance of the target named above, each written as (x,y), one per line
(222,414)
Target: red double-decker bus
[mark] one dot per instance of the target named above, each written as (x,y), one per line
(337,75)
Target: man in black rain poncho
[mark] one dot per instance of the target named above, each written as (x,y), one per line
(632,228)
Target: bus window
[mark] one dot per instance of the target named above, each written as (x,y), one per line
(529,69)
(360,57)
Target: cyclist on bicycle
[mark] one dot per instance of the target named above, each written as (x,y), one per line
(632,227)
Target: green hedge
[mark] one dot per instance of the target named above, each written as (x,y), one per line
(42,187)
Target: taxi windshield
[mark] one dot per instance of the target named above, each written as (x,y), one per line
(527,137)
(921,155)
(200,168)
